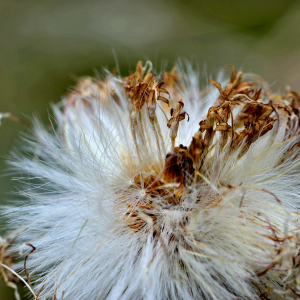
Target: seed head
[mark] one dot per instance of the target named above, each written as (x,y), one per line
(149,188)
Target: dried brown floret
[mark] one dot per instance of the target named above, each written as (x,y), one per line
(137,76)
(177,115)
(154,95)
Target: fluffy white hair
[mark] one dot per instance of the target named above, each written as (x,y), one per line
(233,233)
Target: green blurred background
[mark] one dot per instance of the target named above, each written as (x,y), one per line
(44,45)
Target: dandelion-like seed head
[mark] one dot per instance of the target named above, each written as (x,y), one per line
(148,187)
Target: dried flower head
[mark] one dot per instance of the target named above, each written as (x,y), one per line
(149,188)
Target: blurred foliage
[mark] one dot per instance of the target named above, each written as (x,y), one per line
(46,45)
(256,17)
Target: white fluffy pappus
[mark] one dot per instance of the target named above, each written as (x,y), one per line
(127,199)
